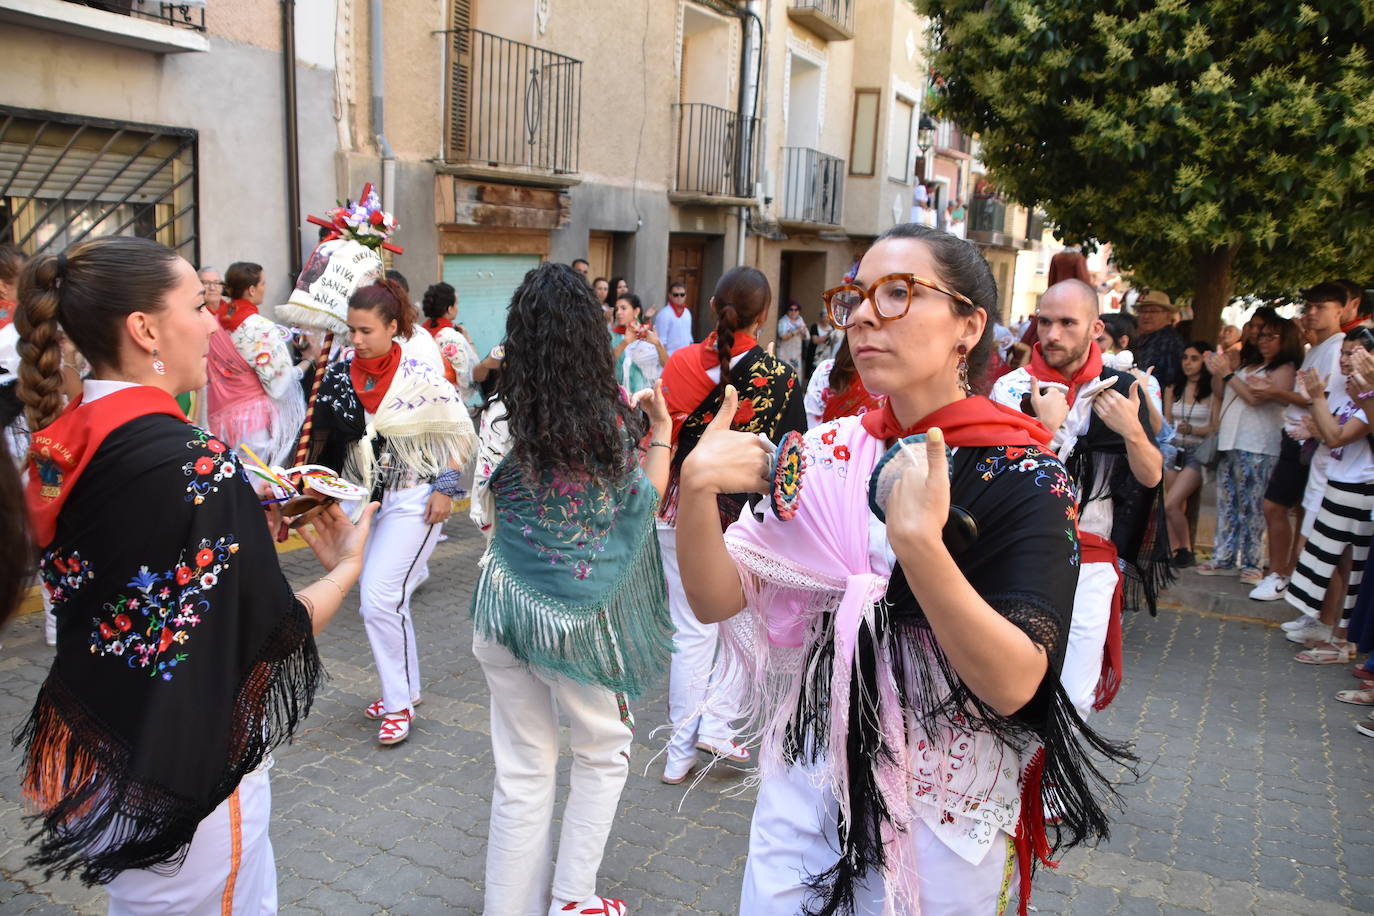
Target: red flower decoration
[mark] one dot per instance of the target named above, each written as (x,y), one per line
(123,622)
(1013,452)
(59,564)
(205,557)
(745,412)
(828,437)
(842,452)
(759,381)
(709,417)
(184,575)
(376,218)
(165,640)
(215,446)
(792,382)
(205,464)
(107,631)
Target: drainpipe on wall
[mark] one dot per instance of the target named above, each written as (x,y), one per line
(750,58)
(378,119)
(293,158)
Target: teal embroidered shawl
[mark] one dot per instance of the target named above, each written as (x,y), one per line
(572,582)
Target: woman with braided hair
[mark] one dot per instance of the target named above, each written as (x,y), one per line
(771,404)
(183,654)
(393,423)
(455,345)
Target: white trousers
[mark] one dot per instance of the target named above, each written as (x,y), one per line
(700,707)
(396,552)
(793,836)
(1092,613)
(228,870)
(521,879)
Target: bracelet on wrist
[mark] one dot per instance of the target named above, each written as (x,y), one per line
(449,483)
(657,444)
(1227,377)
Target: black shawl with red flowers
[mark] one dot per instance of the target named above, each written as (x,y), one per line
(183,655)
(770,403)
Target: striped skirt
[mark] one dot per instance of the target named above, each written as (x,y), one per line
(1343,521)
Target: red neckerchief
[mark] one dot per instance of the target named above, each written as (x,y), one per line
(677,309)
(235,313)
(853,400)
(379,371)
(1043,371)
(1345,328)
(60,452)
(685,382)
(436,325)
(975,422)
(6,313)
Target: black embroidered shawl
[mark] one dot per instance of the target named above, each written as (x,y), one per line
(183,656)
(770,402)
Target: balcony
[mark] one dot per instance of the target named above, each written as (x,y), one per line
(951,141)
(987,221)
(813,190)
(715,155)
(832,20)
(163,28)
(513,111)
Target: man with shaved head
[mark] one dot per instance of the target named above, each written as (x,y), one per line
(1101,425)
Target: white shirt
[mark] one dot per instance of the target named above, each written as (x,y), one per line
(1325,357)
(93,389)
(675,332)
(1351,463)
(1249,428)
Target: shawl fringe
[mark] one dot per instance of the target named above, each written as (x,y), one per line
(94,818)
(426,448)
(621,643)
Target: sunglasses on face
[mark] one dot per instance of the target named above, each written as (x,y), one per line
(891,297)
(1266,335)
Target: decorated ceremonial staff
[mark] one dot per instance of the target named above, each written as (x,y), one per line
(345,260)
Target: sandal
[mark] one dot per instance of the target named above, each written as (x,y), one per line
(1212,569)
(728,751)
(1326,654)
(377,710)
(395,727)
(1357,697)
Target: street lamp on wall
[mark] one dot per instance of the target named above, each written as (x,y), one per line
(925,133)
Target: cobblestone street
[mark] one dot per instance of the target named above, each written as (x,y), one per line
(1255,794)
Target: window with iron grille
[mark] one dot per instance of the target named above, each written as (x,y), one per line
(65,178)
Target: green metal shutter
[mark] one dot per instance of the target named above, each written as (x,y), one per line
(485,283)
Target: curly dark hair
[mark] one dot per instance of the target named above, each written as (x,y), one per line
(564,409)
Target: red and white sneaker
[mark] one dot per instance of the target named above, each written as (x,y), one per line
(377,710)
(592,906)
(728,751)
(395,727)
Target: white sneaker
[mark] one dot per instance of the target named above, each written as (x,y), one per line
(1297,623)
(1313,631)
(593,906)
(1270,588)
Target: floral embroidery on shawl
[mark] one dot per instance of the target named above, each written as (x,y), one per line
(162,611)
(209,469)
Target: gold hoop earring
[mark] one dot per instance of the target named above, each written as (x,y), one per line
(962,370)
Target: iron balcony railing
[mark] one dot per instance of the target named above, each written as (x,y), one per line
(987,214)
(512,105)
(948,136)
(181,15)
(840,12)
(715,151)
(813,186)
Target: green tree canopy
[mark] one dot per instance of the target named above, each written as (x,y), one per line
(1217,144)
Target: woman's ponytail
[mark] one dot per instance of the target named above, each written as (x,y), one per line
(40,340)
(726,324)
(741,300)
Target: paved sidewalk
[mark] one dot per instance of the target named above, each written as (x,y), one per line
(1255,798)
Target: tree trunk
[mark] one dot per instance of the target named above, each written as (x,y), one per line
(1212,289)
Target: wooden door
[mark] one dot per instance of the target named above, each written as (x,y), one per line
(599,245)
(685,256)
